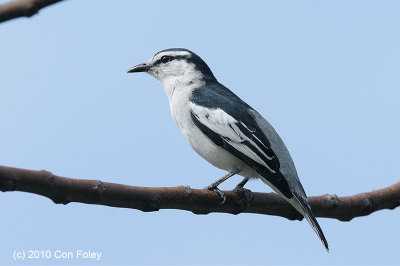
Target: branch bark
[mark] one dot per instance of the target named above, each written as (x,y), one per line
(22,8)
(65,190)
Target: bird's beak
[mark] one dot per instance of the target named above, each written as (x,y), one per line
(139,68)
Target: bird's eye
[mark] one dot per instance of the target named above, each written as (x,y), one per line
(165,59)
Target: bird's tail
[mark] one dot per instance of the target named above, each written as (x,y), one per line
(304,208)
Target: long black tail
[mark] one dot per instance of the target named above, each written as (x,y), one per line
(308,214)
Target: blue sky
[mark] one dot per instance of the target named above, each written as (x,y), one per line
(324,73)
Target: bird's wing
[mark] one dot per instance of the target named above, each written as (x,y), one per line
(232,127)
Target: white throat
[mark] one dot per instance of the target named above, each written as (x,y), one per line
(178,77)
(174,85)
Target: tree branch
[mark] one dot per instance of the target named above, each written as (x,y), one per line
(65,190)
(22,8)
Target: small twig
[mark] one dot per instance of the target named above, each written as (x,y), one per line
(65,190)
(22,8)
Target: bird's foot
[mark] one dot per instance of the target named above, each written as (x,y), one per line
(217,190)
(239,188)
(247,193)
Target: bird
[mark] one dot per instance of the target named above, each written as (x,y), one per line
(225,130)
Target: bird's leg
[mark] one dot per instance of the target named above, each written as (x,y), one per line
(241,184)
(219,181)
(244,192)
(214,186)
(240,187)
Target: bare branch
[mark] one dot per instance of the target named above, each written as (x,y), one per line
(22,8)
(65,190)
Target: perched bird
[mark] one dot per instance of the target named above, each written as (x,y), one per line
(225,130)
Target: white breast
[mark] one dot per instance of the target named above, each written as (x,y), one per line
(180,110)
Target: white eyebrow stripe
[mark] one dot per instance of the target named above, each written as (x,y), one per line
(173,53)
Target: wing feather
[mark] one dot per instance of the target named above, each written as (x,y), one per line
(243,140)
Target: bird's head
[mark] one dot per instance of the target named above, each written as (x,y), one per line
(176,65)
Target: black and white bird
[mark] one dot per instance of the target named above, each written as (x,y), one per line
(225,130)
